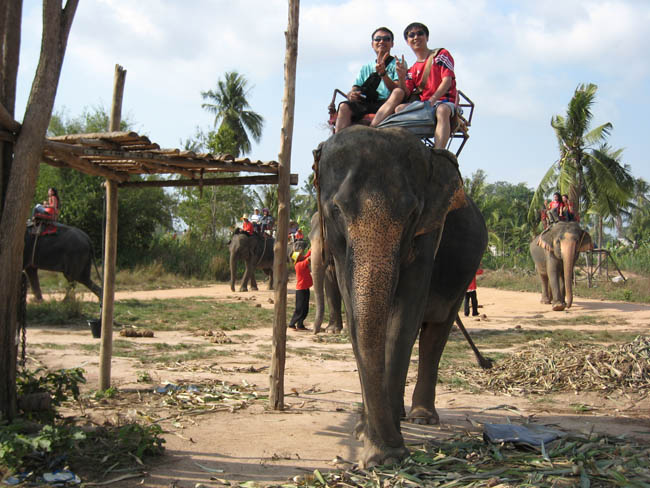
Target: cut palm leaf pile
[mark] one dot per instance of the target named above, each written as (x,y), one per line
(545,367)
(467,461)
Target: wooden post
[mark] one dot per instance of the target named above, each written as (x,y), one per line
(276,398)
(110,245)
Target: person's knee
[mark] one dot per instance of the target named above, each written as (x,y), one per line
(396,96)
(443,113)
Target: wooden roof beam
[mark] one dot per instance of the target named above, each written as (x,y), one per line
(238,180)
(54,149)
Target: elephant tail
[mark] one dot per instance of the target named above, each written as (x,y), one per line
(483,362)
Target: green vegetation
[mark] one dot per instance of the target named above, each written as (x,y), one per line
(468,461)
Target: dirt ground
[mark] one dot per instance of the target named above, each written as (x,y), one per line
(322,393)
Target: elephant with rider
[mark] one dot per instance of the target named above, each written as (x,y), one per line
(256,251)
(555,252)
(405,241)
(62,248)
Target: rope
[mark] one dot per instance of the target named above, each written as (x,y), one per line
(22,317)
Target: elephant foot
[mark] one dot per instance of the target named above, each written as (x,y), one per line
(558,307)
(254,288)
(423,416)
(359,430)
(243,289)
(334,329)
(545,301)
(232,288)
(374,455)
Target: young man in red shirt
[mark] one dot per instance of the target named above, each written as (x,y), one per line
(440,88)
(303,283)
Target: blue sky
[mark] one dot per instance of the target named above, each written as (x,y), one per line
(520,61)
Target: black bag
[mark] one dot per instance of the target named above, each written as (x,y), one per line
(369,87)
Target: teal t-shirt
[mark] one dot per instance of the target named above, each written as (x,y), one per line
(368,69)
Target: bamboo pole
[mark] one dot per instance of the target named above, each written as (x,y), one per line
(276,398)
(110,253)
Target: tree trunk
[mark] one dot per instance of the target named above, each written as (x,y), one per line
(20,173)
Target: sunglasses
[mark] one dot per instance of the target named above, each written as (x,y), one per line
(413,34)
(382,38)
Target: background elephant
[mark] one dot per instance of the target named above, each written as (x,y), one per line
(406,242)
(68,250)
(256,252)
(325,283)
(555,252)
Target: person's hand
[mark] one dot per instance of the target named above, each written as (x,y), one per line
(401,67)
(380,67)
(354,95)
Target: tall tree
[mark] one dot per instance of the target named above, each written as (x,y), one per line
(588,171)
(229,105)
(19,159)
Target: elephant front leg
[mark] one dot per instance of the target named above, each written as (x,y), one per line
(556,281)
(247,275)
(433,338)
(253,280)
(34,283)
(335,323)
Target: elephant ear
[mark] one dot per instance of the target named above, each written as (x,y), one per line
(443,191)
(545,241)
(586,244)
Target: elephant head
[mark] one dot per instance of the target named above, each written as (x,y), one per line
(563,242)
(384,198)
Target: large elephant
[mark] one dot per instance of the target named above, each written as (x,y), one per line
(406,242)
(256,252)
(59,248)
(325,283)
(555,252)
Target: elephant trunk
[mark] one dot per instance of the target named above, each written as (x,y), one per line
(374,260)
(568,261)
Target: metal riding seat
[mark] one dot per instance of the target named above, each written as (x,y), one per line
(460,122)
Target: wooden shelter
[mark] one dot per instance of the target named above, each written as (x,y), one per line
(117,156)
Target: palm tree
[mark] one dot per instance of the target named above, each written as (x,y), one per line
(229,105)
(588,170)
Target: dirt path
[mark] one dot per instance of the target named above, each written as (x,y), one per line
(322,392)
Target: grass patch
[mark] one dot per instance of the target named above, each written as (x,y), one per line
(635,289)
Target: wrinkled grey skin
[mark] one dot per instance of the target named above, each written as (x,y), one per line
(325,283)
(386,200)
(256,252)
(69,251)
(555,259)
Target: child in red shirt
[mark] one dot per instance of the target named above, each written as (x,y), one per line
(303,283)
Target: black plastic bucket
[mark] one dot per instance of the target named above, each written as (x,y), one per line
(95,327)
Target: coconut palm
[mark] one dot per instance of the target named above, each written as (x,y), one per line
(588,170)
(229,105)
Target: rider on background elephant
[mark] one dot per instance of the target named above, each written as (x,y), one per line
(406,242)
(555,252)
